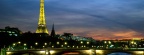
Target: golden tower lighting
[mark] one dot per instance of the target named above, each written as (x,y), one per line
(42,22)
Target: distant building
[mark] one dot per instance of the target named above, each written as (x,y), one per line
(42,21)
(11,31)
(69,36)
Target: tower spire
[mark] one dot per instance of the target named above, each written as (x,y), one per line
(42,22)
(52,31)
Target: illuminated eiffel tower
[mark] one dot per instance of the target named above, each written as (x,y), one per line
(42,22)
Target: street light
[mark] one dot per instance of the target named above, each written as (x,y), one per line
(81,46)
(61,45)
(92,45)
(65,43)
(36,43)
(84,46)
(45,43)
(52,46)
(109,42)
(135,43)
(57,42)
(87,42)
(105,42)
(73,46)
(31,47)
(68,46)
(14,44)
(81,42)
(43,46)
(132,42)
(19,42)
(77,47)
(25,44)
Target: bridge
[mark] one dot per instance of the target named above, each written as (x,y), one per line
(72,51)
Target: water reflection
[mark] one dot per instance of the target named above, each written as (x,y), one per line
(119,53)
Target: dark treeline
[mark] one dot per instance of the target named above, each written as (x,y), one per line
(6,40)
(43,40)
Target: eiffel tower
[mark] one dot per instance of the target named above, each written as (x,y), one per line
(42,22)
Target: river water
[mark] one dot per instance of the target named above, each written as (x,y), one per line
(119,53)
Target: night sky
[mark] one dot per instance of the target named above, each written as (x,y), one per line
(99,19)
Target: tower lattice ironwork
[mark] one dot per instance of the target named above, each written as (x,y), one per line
(42,22)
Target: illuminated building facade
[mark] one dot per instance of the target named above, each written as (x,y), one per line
(11,31)
(70,36)
(42,22)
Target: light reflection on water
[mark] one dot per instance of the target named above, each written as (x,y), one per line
(119,53)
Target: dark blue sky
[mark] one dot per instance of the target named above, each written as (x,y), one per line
(100,19)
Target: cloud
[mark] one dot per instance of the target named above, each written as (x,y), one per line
(101,34)
(100,19)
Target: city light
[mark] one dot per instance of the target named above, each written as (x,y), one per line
(81,42)
(73,46)
(61,45)
(109,42)
(84,46)
(47,52)
(25,44)
(52,46)
(97,40)
(52,51)
(19,42)
(139,52)
(8,53)
(105,42)
(111,46)
(135,43)
(65,43)
(36,43)
(99,51)
(77,47)
(42,51)
(14,44)
(87,42)
(31,47)
(58,43)
(88,51)
(132,42)
(68,46)
(45,43)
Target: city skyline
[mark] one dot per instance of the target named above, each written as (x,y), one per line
(115,19)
